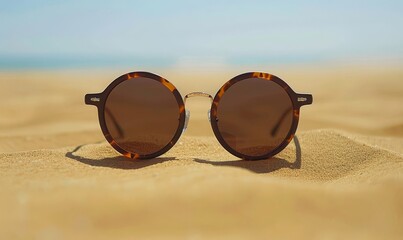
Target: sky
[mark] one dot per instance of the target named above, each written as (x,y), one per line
(85,33)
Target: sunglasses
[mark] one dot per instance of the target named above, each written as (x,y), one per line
(254,115)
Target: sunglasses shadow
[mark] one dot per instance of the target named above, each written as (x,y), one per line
(118,162)
(262,166)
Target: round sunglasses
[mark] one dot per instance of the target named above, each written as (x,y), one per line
(254,115)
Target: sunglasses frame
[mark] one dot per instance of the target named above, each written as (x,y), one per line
(99,100)
(298,100)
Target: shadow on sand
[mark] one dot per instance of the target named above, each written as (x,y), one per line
(118,162)
(261,166)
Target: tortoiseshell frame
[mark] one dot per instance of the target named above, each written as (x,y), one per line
(297,99)
(99,100)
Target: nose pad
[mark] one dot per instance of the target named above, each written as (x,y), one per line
(187,116)
(209,115)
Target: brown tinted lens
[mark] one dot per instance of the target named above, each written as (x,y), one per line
(254,116)
(142,115)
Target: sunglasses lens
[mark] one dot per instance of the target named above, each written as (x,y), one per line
(142,115)
(254,116)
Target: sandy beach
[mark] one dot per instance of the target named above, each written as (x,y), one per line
(340,178)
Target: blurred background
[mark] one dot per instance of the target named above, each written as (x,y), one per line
(46,34)
(54,52)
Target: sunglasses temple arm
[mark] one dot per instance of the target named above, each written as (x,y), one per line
(304,99)
(274,130)
(95,99)
(118,127)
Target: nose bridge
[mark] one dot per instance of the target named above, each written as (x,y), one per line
(187,112)
(197,94)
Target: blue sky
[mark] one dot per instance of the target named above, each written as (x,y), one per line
(43,33)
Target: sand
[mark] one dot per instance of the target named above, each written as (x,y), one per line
(341,177)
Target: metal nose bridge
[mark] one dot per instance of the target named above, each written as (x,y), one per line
(187,112)
(197,94)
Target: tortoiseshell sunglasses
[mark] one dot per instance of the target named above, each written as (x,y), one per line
(254,115)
